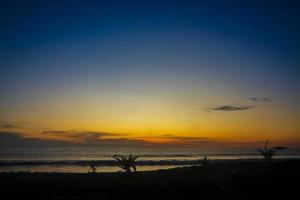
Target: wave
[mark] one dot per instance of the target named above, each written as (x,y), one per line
(95,162)
(14,163)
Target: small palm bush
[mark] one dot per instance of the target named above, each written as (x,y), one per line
(268,153)
(92,168)
(126,163)
(204,161)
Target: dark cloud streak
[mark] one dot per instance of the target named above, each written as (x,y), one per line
(15,139)
(80,133)
(265,99)
(231,108)
(8,126)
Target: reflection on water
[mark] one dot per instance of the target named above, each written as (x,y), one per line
(76,169)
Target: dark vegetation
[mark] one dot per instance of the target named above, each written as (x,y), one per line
(126,163)
(269,153)
(242,179)
(204,161)
(92,168)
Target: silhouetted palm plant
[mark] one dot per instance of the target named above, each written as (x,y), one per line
(127,163)
(92,168)
(268,153)
(204,161)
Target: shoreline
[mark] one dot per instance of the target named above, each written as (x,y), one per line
(217,180)
(112,166)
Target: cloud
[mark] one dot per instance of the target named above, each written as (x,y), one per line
(169,140)
(173,137)
(231,108)
(170,136)
(54,132)
(99,139)
(265,99)
(80,136)
(16,139)
(80,133)
(8,126)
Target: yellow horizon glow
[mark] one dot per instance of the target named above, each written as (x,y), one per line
(152,114)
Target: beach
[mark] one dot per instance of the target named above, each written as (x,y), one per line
(149,100)
(230,179)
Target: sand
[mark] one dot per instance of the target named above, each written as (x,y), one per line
(235,179)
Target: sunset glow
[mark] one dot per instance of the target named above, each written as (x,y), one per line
(137,74)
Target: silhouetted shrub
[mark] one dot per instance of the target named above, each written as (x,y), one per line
(126,163)
(92,168)
(268,153)
(204,161)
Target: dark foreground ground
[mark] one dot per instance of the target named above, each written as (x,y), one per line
(219,180)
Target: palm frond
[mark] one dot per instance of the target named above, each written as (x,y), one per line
(204,161)
(127,163)
(268,153)
(92,168)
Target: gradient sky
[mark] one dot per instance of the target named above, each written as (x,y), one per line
(150,72)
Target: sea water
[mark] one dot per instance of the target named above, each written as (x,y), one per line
(78,159)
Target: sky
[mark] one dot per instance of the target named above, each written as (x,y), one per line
(149,73)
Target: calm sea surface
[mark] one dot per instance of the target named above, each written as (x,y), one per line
(77,159)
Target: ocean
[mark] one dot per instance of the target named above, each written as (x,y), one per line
(78,159)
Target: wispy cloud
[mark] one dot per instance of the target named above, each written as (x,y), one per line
(174,137)
(8,126)
(13,139)
(55,132)
(8,138)
(80,136)
(101,139)
(80,133)
(170,140)
(231,108)
(170,136)
(265,99)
